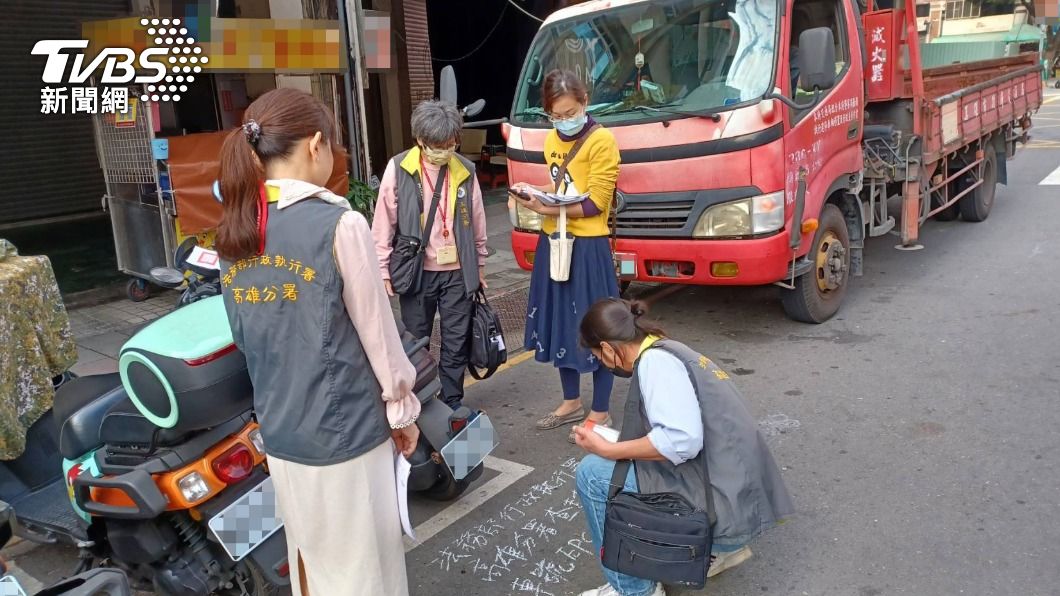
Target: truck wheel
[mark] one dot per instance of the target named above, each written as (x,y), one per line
(953,211)
(818,294)
(976,205)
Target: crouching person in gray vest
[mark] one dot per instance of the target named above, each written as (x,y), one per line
(681,410)
(433,174)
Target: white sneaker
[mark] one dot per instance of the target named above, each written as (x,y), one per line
(725,561)
(607,590)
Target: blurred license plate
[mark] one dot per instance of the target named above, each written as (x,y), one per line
(248,522)
(9,586)
(470,446)
(627,264)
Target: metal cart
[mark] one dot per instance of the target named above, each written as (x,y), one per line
(142,212)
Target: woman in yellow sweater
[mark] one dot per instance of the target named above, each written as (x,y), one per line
(555,309)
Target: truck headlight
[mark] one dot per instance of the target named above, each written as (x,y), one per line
(746,217)
(525,219)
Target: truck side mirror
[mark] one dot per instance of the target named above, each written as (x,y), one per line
(816,59)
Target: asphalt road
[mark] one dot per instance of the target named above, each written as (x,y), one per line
(917,430)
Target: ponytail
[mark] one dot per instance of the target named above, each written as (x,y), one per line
(241,174)
(274,124)
(613,320)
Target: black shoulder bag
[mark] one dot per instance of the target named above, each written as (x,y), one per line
(406,259)
(658,536)
(487,339)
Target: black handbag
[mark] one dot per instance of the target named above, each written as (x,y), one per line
(487,340)
(658,536)
(406,258)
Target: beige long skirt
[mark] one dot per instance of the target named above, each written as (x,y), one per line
(342,525)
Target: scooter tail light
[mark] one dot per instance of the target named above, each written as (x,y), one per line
(211,357)
(234,465)
(283,569)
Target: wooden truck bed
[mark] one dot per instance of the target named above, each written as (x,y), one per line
(965,102)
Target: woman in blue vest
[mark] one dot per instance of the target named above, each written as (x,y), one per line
(681,408)
(332,385)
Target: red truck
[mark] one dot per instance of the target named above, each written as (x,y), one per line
(763,140)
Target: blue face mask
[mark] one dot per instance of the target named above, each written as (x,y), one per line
(571,126)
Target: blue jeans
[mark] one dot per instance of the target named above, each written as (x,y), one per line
(594,484)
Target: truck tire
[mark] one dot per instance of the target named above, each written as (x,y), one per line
(818,293)
(975,206)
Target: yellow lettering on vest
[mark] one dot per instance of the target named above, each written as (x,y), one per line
(722,375)
(309,274)
(237,295)
(296,266)
(290,292)
(270,294)
(253,295)
(279,261)
(266,260)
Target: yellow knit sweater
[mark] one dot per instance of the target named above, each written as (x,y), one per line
(593,170)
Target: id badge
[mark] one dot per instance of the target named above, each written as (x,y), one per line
(446,255)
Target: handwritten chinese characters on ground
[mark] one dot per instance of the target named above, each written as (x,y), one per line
(523,548)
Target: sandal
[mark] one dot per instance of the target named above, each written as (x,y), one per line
(552,420)
(607,422)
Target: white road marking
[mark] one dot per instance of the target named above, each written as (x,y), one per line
(1052,179)
(510,473)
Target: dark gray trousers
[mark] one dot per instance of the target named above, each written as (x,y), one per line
(443,292)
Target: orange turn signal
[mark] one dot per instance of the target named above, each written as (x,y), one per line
(809,226)
(529,257)
(724,269)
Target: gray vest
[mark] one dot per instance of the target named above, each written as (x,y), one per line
(315,395)
(749,493)
(411,208)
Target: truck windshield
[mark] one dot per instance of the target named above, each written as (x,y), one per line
(651,59)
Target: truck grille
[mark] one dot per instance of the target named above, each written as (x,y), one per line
(646,217)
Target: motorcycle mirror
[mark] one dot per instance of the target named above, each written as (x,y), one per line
(475,108)
(447,85)
(167,277)
(217,191)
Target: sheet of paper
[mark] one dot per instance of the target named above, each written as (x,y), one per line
(611,434)
(402,467)
(203,258)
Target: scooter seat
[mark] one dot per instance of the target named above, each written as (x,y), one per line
(80,405)
(125,426)
(94,410)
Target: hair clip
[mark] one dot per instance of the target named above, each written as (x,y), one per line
(252,130)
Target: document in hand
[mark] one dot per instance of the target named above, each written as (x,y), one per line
(550,198)
(402,467)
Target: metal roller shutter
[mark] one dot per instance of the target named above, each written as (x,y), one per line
(418,40)
(48,166)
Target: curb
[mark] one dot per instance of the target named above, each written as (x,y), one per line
(94,297)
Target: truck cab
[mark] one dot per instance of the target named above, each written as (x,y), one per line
(742,127)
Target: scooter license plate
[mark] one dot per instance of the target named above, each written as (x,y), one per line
(248,522)
(9,586)
(469,447)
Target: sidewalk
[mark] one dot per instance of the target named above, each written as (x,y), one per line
(102,330)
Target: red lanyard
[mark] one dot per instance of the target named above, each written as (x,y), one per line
(443,205)
(263,216)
